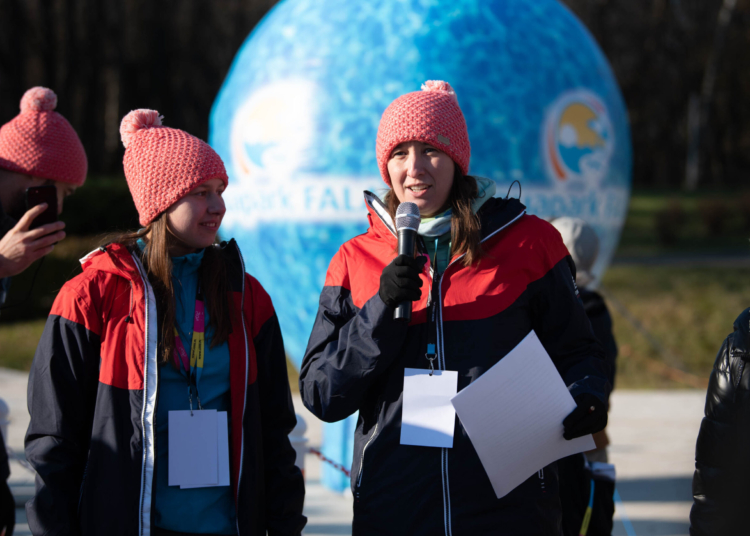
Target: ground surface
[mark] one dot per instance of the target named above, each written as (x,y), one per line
(653,440)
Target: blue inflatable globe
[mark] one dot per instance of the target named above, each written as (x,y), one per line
(296,121)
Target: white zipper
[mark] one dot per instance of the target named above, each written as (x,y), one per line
(442,365)
(362,458)
(144,517)
(244,401)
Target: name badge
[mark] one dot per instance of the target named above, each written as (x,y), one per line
(194,448)
(428,418)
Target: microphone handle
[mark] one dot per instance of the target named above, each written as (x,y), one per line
(407,239)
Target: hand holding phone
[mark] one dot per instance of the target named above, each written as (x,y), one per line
(38,195)
(23,245)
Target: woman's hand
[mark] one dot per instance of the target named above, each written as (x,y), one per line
(22,246)
(400,281)
(590,416)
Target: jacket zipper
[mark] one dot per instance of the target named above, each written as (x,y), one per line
(362,457)
(442,365)
(146,286)
(244,399)
(83,481)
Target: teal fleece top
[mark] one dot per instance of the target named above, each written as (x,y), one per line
(200,510)
(436,231)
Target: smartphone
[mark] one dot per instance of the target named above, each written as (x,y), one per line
(38,195)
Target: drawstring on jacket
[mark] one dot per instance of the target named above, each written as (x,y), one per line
(129,318)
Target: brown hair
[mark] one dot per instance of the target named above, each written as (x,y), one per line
(212,277)
(465,228)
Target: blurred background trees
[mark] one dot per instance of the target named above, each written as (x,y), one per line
(682,65)
(107,57)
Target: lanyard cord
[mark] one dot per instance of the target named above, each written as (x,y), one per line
(433,305)
(431,354)
(192,369)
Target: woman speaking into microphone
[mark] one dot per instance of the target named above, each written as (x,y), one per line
(484,275)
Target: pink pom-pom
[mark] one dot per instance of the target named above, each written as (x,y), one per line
(439,86)
(137,120)
(38,99)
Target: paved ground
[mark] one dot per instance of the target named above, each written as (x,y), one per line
(653,439)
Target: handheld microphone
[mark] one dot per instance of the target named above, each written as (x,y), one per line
(407,224)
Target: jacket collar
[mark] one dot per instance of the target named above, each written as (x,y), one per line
(118,260)
(494,214)
(381,222)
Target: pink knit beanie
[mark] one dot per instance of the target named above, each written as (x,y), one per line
(163,164)
(430,116)
(40,142)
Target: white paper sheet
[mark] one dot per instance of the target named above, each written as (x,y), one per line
(193,448)
(427,415)
(513,414)
(223,443)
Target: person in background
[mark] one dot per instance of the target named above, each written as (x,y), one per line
(486,275)
(7,503)
(580,474)
(583,244)
(721,483)
(162,322)
(37,148)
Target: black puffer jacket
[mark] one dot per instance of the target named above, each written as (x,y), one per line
(721,485)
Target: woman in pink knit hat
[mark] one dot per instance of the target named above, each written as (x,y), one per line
(159,396)
(38,147)
(483,276)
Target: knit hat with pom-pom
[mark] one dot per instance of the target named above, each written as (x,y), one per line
(163,164)
(431,116)
(40,142)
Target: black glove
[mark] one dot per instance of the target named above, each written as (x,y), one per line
(400,280)
(7,509)
(589,417)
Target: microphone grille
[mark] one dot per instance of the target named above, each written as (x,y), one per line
(407,216)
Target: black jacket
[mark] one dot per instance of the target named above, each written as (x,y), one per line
(4,466)
(357,353)
(6,224)
(601,324)
(721,484)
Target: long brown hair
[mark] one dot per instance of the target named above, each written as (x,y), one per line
(465,227)
(212,277)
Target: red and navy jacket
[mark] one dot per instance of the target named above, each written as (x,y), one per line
(357,353)
(93,391)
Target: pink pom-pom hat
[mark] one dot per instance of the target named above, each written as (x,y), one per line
(163,164)
(40,142)
(431,116)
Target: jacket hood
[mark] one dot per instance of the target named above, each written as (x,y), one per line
(113,258)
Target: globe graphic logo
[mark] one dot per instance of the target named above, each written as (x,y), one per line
(578,138)
(296,121)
